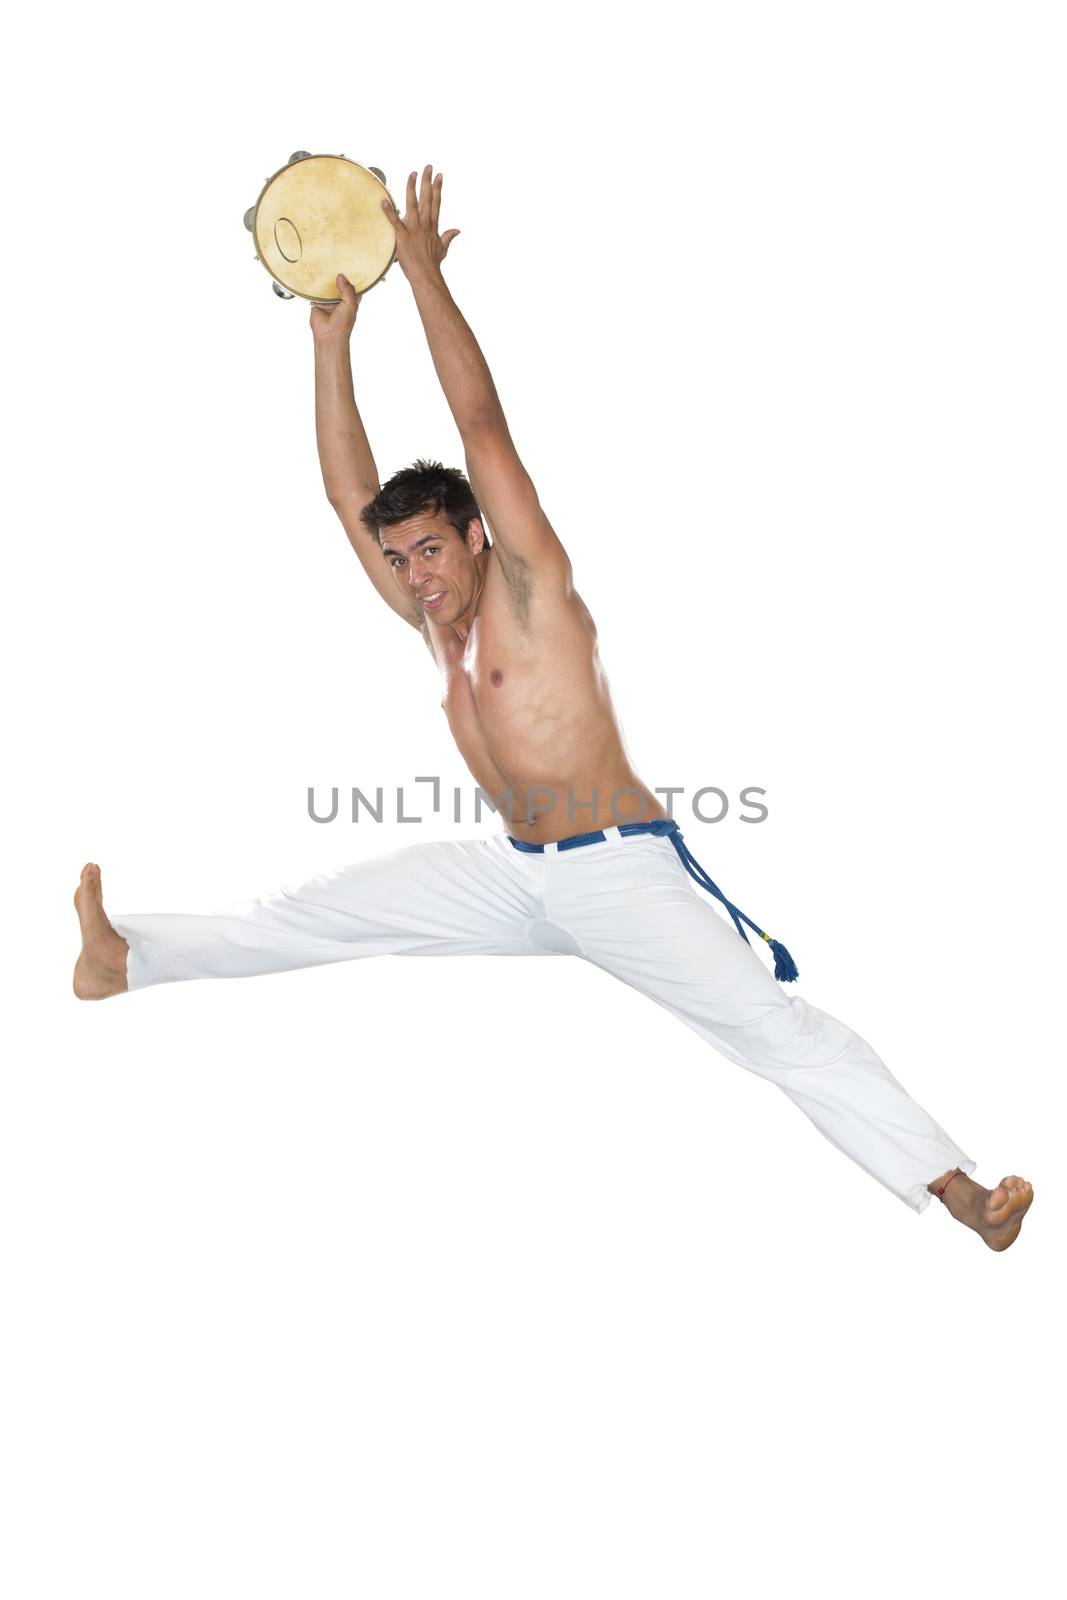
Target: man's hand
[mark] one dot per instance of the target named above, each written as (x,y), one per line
(333,324)
(419,246)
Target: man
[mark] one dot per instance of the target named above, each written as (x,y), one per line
(593,867)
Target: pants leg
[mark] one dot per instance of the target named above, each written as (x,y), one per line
(636,913)
(442,898)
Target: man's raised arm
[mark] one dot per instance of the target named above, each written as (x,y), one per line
(502,486)
(348,471)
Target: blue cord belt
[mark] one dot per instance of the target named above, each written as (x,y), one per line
(785,968)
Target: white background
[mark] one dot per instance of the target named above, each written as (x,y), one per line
(410,1278)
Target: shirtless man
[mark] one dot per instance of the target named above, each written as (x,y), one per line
(594,867)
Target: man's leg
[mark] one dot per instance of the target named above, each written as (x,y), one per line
(634,911)
(442,898)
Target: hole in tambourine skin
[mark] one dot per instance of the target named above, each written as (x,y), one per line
(288,240)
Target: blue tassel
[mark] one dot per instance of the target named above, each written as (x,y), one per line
(785,968)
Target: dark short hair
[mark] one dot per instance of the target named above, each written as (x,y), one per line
(427,486)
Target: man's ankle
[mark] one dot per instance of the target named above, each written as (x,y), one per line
(939,1185)
(962,1197)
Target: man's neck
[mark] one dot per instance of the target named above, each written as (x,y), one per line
(462,625)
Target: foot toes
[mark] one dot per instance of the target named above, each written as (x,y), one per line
(1009,1199)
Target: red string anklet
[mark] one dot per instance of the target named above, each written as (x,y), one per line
(940,1193)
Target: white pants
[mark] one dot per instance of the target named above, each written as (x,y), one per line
(626,905)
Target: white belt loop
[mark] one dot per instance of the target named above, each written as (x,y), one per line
(551,849)
(612,836)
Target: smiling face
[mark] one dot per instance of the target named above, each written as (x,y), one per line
(432,566)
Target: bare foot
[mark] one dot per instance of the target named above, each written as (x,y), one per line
(1003,1212)
(100,970)
(995,1214)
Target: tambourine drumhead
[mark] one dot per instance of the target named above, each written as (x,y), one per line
(321,216)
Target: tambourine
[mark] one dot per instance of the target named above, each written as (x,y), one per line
(318,216)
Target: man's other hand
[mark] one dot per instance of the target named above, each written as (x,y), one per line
(333,324)
(419,246)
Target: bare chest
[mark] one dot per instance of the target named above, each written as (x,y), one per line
(518,695)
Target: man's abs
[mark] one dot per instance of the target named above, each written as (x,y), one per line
(530,709)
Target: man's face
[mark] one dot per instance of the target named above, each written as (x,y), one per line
(432,565)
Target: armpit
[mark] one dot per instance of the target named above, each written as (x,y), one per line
(516,571)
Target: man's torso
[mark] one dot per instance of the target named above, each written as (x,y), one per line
(529,707)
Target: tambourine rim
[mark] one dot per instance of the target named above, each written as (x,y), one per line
(314,299)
